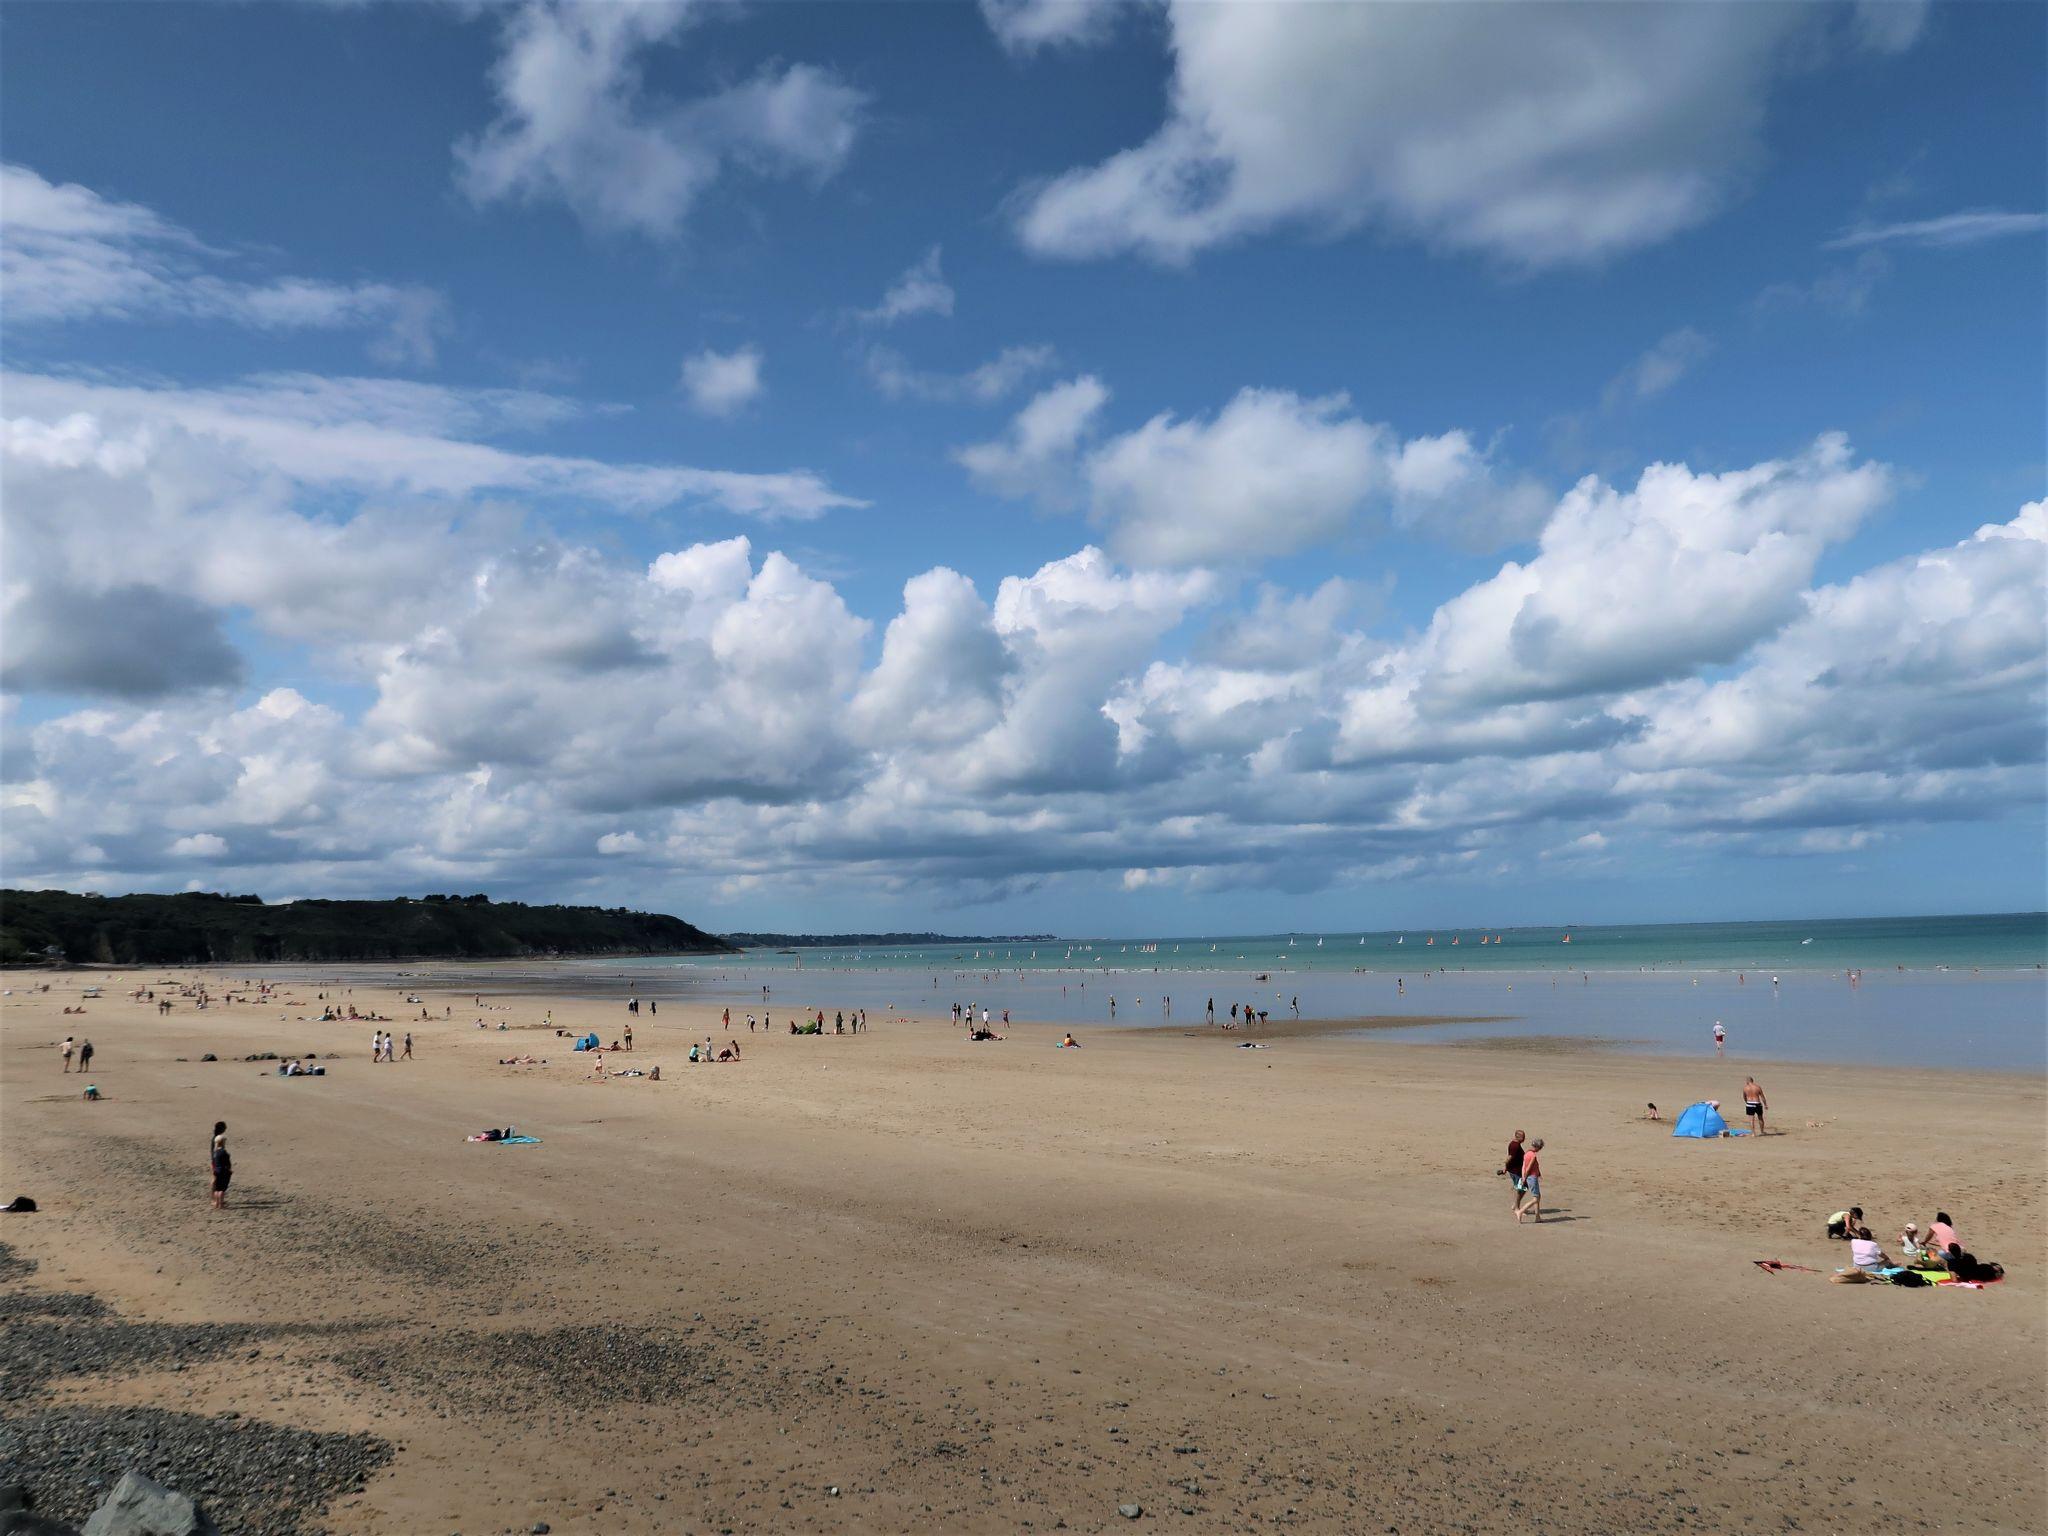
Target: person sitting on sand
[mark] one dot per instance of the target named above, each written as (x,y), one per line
(1866,1255)
(1941,1233)
(1843,1224)
(1911,1250)
(1068,1042)
(1652,1115)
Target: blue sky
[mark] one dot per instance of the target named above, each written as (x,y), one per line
(385,385)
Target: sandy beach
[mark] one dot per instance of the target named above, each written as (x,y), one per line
(896,1281)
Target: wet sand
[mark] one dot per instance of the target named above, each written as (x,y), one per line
(897,1281)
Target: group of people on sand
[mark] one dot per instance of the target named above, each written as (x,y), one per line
(1939,1248)
(1524,1170)
(296,1068)
(382,1045)
(82,1049)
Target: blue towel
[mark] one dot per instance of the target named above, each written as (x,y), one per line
(518,1141)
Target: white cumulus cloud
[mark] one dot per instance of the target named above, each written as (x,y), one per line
(723,383)
(575,126)
(1539,134)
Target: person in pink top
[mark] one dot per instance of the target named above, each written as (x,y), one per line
(1941,1233)
(1532,1182)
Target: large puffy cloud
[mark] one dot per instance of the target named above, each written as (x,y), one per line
(546,717)
(71,254)
(1631,588)
(1539,134)
(1269,474)
(573,125)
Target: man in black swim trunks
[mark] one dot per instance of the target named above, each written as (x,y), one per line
(223,1165)
(1753,1103)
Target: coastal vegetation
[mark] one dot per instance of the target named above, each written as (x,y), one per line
(63,927)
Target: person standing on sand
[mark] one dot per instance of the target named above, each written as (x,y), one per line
(84,1055)
(66,1049)
(223,1166)
(1720,1036)
(629,1037)
(1514,1167)
(408,1047)
(1532,1183)
(1753,1103)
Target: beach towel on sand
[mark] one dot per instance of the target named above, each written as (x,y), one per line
(505,1141)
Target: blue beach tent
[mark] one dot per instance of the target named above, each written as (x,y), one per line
(1702,1120)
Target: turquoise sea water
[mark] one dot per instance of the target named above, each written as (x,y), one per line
(2009,942)
(1936,991)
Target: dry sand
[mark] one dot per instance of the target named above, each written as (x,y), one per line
(1004,1287)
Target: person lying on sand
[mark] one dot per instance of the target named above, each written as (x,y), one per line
(1967,1266)
(1068,1042)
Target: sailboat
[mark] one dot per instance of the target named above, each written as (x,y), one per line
(1319,943)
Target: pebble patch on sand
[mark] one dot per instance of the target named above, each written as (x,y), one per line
(249,1476)
(591,1367)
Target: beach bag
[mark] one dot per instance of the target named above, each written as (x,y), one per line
(1908,1279)
(20,1205)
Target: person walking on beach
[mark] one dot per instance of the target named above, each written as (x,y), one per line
(377,1045)
(1753,1103)
(408,1046)
(1720,1036)
(223,1166)
(1532,1183)
(1513,1167)
(66,1049)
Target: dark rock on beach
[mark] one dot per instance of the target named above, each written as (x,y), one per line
(139,1507)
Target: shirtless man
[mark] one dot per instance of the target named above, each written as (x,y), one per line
(1753,1103)
(1531,1198)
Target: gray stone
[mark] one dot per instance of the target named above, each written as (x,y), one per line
(139,1507)
(1130,1511)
